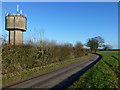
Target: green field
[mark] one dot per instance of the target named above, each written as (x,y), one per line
(104,74)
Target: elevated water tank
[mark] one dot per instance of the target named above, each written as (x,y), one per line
(15,22)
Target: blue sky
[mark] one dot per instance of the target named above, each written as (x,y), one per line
(68,22)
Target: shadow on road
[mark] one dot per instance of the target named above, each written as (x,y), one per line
(66,83)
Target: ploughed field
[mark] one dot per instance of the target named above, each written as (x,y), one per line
(104,74)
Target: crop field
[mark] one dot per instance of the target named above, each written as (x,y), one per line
(104,74)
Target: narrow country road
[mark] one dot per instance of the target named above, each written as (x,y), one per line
(59,78)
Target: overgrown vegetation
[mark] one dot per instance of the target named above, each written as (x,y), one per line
(18,58)
(104,74)
(24,59)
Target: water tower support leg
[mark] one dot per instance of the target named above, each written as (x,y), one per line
(12,37)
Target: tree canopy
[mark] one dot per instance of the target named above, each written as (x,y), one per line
(95,42)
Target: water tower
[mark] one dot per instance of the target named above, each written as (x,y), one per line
(15,23)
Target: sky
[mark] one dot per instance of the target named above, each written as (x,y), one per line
(68,22)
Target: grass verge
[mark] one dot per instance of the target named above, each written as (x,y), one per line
(104,74)
(15,77)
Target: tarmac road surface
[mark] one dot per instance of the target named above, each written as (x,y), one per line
(59,78)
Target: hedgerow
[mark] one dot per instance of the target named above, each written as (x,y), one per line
(18,58)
